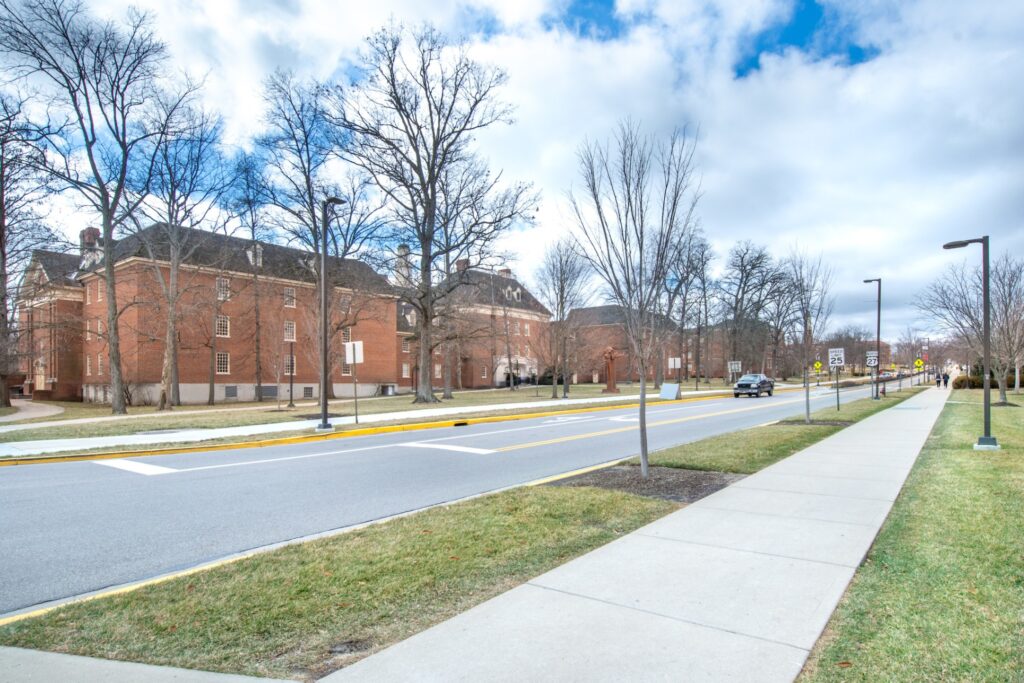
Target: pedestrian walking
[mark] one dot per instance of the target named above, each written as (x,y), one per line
(938,381)
(945,380)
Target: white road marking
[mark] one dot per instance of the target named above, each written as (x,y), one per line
(448,447)
(625,418)
(135,467)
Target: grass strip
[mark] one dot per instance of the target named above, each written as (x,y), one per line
(281,613)
(750,450)
(940,596)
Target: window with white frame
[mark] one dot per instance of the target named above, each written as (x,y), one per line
(405,371)
(88,293)
(289,297)
(289,365)
(437,371)
(99,363)
(99,291)
(223,363)
(515,327)
(88,365)
(88,328)
(483,372)
(255,255)
(526,329)
(346,337)
(289,330)
(223,289)
(406,346)
(99,328)
(223,326)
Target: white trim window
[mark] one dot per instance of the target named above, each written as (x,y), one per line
(406,374)
(223,288)
(289,297)
(223,326)
(289,330)
(99,363)
(526,329)
(346,337)
(223,363)
(88,365)
(406,345)
(437,371)
(515,327)
(88,292)
(99,291)
(99,329)
(483,372)
(289,365)
(88,330)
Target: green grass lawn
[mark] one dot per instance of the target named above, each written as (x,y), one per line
(750,450)
(941,594)
(280,613)
(8,411)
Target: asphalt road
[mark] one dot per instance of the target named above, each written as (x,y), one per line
(72,528)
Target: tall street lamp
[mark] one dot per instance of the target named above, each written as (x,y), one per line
(324,425)
(986,442)
(878,335)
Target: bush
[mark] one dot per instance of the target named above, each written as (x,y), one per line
(975,382)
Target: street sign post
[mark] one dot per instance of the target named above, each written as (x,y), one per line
(353,357)
(872,362)
(836,359)
(817,372)
(735,367)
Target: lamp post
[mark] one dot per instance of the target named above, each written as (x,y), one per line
(324,425)
(987,442)
(878,335)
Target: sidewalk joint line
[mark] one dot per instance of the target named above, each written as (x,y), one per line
(775,514)
(747,550)
(810,493)
(662,615)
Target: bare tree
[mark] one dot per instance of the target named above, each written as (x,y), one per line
(104,77)
(639,200)
(21,227)
(299,147)
(186,187)
(954,302)
(810,288)
(409,125)
(750,281)
(562,280)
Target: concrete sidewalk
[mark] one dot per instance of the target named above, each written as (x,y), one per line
(737,586)
(32,666)
(27,410)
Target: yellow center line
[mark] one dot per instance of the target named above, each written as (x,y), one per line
(660,423)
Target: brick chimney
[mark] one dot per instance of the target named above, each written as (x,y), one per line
(88,240)
(462,265)
(505,272)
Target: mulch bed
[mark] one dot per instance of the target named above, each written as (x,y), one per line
(667,483)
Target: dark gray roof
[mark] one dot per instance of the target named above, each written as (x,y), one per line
(609,314)
(224,252)
(59,267)
(482,287)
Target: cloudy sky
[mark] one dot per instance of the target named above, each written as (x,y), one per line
(870,131)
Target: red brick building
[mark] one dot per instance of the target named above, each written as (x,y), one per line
(221,340)
(49,318)
(497,329)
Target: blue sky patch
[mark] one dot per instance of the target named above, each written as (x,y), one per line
(810,29)
(590,19)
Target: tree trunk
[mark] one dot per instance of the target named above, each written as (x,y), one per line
(167,372)
(565,365)
(1001,380)
(117,398)
(643,425)
(554,364)
(1016,380)
(447,370)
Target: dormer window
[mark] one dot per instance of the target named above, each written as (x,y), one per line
(255,254)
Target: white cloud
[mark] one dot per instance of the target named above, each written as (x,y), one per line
(876,164)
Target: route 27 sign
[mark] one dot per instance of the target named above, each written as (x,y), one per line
(872,359)
(836,358)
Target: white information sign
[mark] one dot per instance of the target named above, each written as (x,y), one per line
(675,363)
(353,352)
(735,366)
(669,390)
(872,359)
(836,358)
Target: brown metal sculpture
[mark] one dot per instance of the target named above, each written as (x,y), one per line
(609,355)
